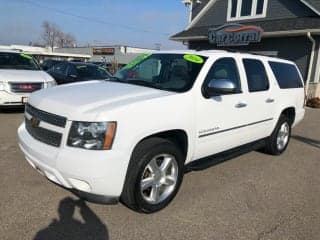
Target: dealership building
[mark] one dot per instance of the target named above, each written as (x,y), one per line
(287,29)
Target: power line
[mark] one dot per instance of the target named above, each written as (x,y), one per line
(89,19)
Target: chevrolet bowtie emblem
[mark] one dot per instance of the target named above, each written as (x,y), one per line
(35,122)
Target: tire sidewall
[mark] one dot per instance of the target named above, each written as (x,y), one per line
(281,121)
(145,158)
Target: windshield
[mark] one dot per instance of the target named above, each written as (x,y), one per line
(18,61)
(171,72)
(91,72)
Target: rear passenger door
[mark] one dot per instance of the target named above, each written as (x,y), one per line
(261,99)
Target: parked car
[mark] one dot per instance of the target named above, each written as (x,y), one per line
(49,63)
(133,137)
(69,72)
(20,75)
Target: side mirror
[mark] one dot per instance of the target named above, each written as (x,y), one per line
(218,87)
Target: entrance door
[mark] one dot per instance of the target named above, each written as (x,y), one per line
(221,119)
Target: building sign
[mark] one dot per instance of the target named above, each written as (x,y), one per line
(103,51)
(234,35)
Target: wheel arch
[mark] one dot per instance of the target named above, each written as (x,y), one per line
(290,113)
(177,136)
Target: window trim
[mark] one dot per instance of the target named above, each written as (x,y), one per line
(253,11)
(266,73)
(205,81)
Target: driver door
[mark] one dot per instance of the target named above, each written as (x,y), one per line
(221,119)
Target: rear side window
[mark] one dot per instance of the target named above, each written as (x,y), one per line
(287,75)
(256,75)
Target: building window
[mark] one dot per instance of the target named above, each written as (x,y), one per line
(246,9)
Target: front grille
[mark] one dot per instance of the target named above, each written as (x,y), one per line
(43,135)
(22,87)
(46,117)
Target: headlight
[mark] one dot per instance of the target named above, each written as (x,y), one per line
(92,135)
(50,84)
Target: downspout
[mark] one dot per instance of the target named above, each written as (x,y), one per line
(311,61)
(190,11)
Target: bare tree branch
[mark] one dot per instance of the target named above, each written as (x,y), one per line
(54,37)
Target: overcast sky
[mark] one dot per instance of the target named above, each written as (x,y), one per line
(138,23)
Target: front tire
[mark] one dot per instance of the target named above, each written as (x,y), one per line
(278,142)
(154,175)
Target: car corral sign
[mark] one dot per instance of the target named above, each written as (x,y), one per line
(234,35)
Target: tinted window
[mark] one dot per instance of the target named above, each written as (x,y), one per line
(17,61)
(234,5)
(260,5)
(287,75)
(246,8)
(225,68)
(60,68)
(90,72)
(256,75)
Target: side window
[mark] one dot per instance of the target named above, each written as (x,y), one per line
(287,75)
(256,75)
(71,70)
(225,68)
(60,68)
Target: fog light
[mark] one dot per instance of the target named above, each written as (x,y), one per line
(80,185)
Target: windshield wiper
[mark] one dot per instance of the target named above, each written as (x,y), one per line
(135,82)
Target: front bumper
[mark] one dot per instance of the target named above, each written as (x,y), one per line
(97,176)
(12,99)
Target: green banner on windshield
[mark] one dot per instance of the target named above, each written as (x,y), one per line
(25,56)
(137,60)
(193,58)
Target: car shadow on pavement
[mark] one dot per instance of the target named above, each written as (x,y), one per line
(309,141)
(67,227)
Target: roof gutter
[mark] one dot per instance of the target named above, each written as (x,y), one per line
(311,60)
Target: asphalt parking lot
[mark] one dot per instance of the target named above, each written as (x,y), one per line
(254,196)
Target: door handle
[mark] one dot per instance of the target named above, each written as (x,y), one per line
(270,100)
(241,105)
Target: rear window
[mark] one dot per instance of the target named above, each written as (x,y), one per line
(286,74)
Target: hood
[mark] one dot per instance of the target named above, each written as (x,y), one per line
(85,100)
(23,76)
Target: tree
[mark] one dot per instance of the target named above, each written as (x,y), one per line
(53,36)
(50,34)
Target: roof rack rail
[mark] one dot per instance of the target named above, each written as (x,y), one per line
(249,52)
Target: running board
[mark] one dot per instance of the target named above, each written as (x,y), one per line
(215,159)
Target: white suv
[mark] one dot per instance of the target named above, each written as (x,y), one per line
(132,138)
(20,75)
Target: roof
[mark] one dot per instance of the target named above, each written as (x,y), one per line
(313,4)
(9,51)
(270,27)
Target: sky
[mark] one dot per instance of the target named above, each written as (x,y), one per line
(141,23)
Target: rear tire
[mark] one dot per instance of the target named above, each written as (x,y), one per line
(154,175)
(278,142)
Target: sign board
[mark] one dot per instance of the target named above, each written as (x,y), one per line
(234,35)
(103,51)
